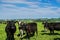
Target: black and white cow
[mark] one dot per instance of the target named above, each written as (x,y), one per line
(29,28)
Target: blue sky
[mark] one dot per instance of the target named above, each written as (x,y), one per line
(29,9)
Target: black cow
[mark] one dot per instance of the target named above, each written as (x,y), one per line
(10,30)
(52,26)
(32,28)
(29,28)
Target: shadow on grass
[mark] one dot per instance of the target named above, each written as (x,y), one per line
(26,36)
(43,31)
(56,38)
(50,34)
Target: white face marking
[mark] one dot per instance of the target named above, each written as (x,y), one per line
(21,32)
(19,22)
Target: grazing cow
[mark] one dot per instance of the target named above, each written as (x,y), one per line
(10,30)
(52,26)
(29,28)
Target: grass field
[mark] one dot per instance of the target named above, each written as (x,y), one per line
(41,35)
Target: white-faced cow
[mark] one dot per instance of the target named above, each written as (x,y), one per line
(10,30)
(29,28)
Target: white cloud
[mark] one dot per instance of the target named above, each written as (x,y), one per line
(35,4)
(8,5)
(13,0)
(31,11)
(34,10)
(31,4)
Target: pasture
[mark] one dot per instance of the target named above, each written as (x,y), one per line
(41,35)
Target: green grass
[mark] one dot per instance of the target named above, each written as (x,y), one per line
(39,37)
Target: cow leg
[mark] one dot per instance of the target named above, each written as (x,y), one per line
(28,36)
(8,37)
(51,31)
(21,34)
(32,34)
(36,31)
(21,37)
(12,37)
